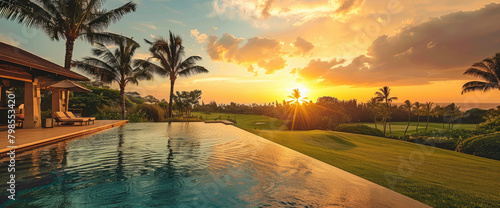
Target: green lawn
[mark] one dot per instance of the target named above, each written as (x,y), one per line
(398,128)
(437,177)
(246,121)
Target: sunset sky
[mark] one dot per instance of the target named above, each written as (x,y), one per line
(258,51)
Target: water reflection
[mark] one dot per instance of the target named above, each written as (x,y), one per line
(182,165)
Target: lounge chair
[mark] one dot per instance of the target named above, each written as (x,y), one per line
(62,118)
(71,115)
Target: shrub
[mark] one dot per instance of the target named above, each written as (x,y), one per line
(483,145)
(453,133)
(360,129)
(136,116)
(443,142)
(108,113)
(493,123)
(152,112)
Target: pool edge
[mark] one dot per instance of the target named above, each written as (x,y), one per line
(56,139)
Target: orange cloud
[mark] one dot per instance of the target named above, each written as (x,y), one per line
(262,52)
(303,46)
(436,50)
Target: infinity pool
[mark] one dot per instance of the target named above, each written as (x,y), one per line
(185,165)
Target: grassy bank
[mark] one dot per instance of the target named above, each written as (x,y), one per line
(398,128)
(437,177)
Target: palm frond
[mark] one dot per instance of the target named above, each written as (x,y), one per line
(192,70)
(102,19)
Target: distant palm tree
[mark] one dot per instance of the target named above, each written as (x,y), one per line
(296,98)
(417,110)
(66,19)
(384,95)
(407,106)
(453,112)
(487,70)
(439,111)
(170,54)
(428,112)
(374,107)
(116,66)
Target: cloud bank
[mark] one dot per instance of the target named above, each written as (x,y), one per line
(436,50)
(255,52)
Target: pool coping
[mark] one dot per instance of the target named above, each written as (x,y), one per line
(56,139)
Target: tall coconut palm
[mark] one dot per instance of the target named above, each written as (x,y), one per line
(407,106)
(117,66)
(170,55)
(427,108)
(384,94)
(66,19)
(488,71)
(374,107)
(417,110)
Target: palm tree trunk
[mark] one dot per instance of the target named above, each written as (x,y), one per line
(390,128)
(70,42)
(122,103)
(409,120)
(427,123)
(384,123)
(443,121)
(172,82)
(375,120)
(418,121)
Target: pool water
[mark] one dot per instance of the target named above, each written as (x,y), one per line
(184,165)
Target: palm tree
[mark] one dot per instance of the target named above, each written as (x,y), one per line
(487,70)
(384,95)
(116,66)
(417,110)
(296,98)
(428,112)
(170,54)
(374,107)
(453,112)
(66,19)
(407,106)
(439,111)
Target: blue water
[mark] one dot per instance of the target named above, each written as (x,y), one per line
(180,165)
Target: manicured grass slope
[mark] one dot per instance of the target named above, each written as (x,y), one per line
(437,177)
(442,178)
(398,128)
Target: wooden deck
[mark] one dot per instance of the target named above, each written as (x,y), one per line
(31,138)
(220,121)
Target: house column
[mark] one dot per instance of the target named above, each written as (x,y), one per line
(32,113)
(57,101)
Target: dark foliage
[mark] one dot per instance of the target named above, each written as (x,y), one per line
(487,145)
(360,129)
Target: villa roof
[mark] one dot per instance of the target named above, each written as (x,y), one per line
(21,57)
